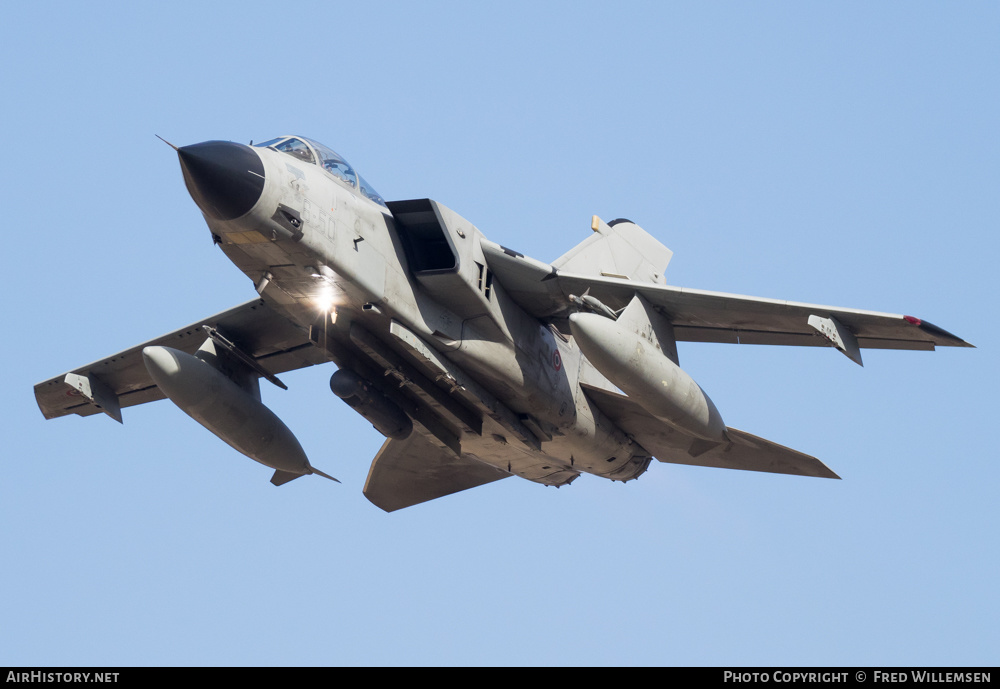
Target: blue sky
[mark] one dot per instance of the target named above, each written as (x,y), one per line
(841,154)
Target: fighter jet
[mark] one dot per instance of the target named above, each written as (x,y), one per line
(475,361)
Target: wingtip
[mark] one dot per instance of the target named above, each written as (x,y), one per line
(944,338)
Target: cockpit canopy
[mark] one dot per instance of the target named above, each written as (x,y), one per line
(315,153)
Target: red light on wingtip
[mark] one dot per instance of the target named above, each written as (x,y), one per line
(911,319)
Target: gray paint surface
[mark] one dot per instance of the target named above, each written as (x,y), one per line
(506,366)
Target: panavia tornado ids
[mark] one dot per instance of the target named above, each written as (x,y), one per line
(475,361)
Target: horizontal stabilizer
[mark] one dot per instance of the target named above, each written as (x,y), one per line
(745,451)
(411,471)
(750,453)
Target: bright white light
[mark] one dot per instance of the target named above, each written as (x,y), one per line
(327,293)
(324,298)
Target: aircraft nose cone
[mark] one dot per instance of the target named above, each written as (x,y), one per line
(225,179)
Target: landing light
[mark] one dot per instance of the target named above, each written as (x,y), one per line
(324,299)
(327,291)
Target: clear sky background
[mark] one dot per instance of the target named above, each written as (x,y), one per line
(843,154)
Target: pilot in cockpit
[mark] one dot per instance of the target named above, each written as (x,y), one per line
(331,161)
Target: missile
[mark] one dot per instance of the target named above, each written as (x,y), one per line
(646,375)
(227,410)
(384,414)
(591,303)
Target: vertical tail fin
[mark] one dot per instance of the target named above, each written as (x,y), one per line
(618,249)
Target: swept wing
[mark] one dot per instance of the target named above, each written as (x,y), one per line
(704,316)
(121,380)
